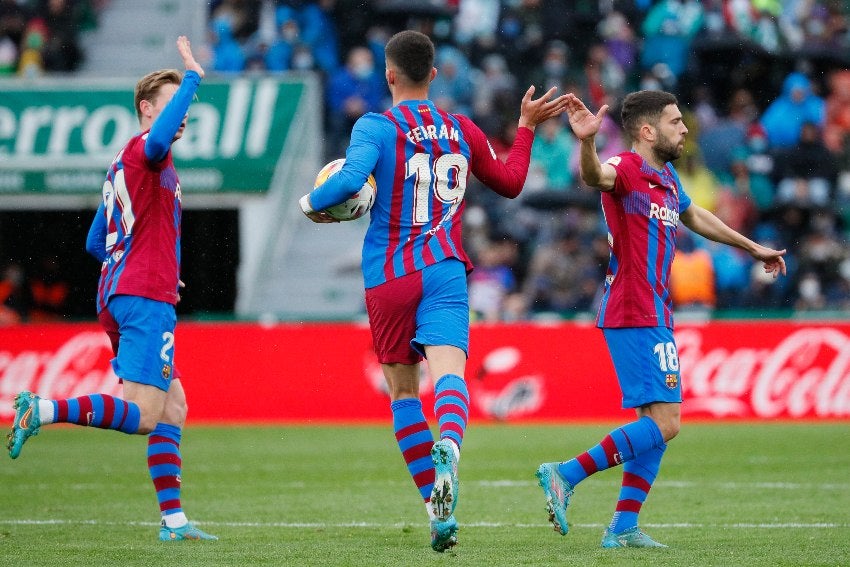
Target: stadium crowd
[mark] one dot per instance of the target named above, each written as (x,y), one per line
(765,85)
(768,149)
(43,36)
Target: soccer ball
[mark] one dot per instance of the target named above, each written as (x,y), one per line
(358,204)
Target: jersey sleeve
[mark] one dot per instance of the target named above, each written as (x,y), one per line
(361,157)
(168,122)
(96,238)
(508,178)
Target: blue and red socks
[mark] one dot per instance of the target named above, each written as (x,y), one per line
(618,447)
(164,465)
(415,441)
(95,410)
(638,476)
(451,406)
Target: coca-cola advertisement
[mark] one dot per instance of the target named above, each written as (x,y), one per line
(314,373)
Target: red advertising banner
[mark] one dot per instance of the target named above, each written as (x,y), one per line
(251,373)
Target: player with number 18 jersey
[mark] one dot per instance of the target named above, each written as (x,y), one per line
(642,214)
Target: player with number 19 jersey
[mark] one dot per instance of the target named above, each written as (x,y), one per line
(421,157)
(642,214)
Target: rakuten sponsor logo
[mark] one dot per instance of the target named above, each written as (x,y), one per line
(807,374)
(78,366)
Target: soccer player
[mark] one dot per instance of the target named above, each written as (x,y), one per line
(137,235)
(414,266)
(642,202)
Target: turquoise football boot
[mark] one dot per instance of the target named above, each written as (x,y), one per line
(445,491)
(558,492)
(27,422)
(443,534)
(187,531)
(632,537)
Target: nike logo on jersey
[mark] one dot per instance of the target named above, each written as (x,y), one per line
(652,185)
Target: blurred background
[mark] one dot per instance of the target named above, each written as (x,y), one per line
(764,85)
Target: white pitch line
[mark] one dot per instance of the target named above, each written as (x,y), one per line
(371,525)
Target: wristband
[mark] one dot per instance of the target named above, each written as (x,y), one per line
(305,204)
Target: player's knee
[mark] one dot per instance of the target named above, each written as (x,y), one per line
(670,429)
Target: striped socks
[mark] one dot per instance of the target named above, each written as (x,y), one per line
(451,406)
(95,410)
(164,464)
(415,441)
(638,476)
(618,447)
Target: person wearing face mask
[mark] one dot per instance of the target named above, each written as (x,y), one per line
(352,91)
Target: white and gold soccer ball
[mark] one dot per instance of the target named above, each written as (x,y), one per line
(355,206)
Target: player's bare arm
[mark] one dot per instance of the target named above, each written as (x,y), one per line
(533,112)
(706,224)
(585,126)
(185,49)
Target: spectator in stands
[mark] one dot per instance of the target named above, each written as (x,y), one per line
(783,119)
(228,56)
(495,92)
(14,16)
(604,77)
(718,140)
(352,91)
(668,30)
(807,171)
(760,166)
(278,56)
(551,152)
(31,63)
(453,89)
(621,41)
(493,280)
(48,291)
(62,51)
(13,297)
(692,275)
(555,70)
(316,29)
(702,184)
(837,120)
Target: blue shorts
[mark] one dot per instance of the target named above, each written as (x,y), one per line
(426,308)
(144,329)
(647,364)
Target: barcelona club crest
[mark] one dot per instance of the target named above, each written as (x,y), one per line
(672,380)
(166,372)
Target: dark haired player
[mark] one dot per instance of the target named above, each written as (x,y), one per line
(414,265)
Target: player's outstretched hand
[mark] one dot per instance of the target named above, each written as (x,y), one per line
(582,121)
(533,112)
(774,263)
(189,62)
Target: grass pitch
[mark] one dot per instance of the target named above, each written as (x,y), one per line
(728,494)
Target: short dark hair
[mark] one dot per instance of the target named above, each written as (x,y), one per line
(412,53)
(644,106)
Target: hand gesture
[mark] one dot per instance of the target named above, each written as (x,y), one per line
(188,59)
(583,122)
(533,112)
(774,263)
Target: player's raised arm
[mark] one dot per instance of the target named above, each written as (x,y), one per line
(585,125)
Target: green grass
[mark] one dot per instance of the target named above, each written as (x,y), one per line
(730,494)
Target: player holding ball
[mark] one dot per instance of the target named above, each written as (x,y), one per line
(414,266)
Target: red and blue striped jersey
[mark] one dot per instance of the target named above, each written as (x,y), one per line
(142,204)
(642,214)
(421,157)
